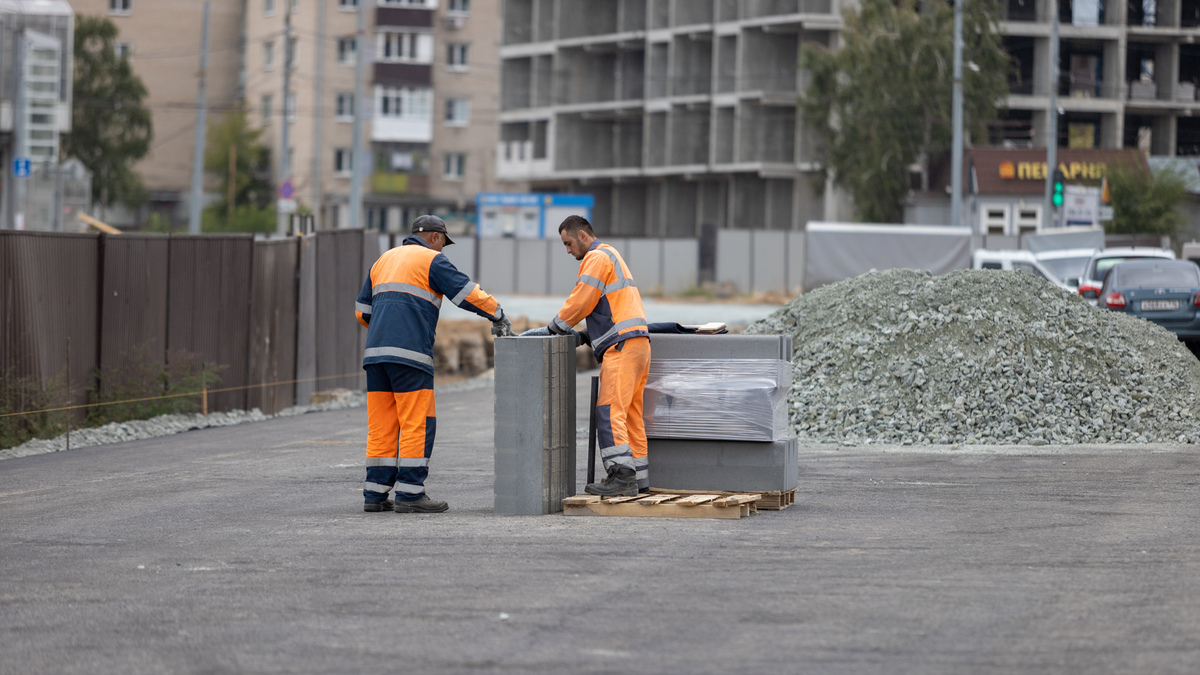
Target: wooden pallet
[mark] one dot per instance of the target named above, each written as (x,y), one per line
(699,505)
(768,501)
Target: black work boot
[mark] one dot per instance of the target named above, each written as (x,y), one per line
(375,507)
(621,482)
(422,505)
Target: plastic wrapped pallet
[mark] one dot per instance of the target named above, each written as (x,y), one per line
(717,399)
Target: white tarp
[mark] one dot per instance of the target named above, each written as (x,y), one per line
(1089,237)
(836,251)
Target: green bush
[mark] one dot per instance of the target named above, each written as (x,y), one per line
(18,394)
(154,388)
(246,218)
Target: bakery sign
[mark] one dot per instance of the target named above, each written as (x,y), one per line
(1037,170)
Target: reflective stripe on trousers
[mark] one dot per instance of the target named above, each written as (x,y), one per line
(402,422)
(620,429)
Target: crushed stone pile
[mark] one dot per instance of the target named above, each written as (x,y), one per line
(980,357)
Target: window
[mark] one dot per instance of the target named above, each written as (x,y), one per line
(995,219)
(291,108)
(124,50)
(459,6)
(120,6)
(343,161)
(458,112)
(345,106)
(268,7)
(403,102)
(428,4)
(455,167)
(405,47)
(269,55)
(347,4)
(456,55)
(347,51)
(266,109)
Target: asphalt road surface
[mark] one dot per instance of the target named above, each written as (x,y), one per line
(245,550)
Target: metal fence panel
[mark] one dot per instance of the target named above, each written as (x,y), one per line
(497,265)
(564,271)
(532,267)
(133,305)
(795,276)
(48,293)
(208,311)
(769,272)
(339,279)
(272,355)
(462,256)
(734,258)
(681,265)
(306,320)
(644,259)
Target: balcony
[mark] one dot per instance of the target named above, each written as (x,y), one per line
(399,183)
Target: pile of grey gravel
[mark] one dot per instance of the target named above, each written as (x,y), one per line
(980,357)
(165,425)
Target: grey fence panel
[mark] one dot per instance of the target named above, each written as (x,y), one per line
(681,265)
(462,256)
(795,252)
(734,258)
(133,306)
(273,325)
(533,267)
(769,270)
(497,260)
(49,293)
(339,278)
(208,307)
(306,319)
(564,270)
(644,259)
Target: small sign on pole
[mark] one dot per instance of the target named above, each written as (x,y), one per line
(286,189)
(21,167)
(286,205)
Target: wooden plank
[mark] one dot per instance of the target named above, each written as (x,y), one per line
(634,510)
(735,500)
(696,500)
(656,499)
(580,500)
(618,500)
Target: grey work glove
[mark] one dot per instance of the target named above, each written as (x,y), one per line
(502,327)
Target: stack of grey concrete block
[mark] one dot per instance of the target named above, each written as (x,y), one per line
(535,424)
(739,456)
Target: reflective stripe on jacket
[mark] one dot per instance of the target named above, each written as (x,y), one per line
(400,301)
(606,295)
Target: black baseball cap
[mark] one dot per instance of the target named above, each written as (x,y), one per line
(431,224)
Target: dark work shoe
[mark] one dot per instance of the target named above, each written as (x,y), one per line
(375,507)
(422,505)
(619,483)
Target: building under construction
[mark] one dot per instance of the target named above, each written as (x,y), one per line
(672,114)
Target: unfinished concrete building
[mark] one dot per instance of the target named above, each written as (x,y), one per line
(672,113)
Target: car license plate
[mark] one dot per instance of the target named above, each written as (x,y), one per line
(1159,305)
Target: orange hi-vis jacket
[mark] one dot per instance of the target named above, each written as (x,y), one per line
(401,299)
(606,295)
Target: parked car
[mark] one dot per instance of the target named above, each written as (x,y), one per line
(1067,264)
(1166,292)
(1015,260)
(1105,259)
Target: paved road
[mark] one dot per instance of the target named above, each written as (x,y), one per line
(245,550)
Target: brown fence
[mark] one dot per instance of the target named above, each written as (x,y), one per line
(267,311)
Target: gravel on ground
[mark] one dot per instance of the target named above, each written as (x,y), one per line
(980,357)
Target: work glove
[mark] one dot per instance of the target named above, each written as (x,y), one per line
(584,339)
(502,327)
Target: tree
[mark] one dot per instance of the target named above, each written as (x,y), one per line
(1145,202)
(253,207)
(111,127)
(883,101)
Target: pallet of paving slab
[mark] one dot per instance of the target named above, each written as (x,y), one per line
(771,500)
(699,505)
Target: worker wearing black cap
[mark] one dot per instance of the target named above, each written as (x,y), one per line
(399,305)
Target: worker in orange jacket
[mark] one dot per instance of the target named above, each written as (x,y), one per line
(399,304)
(606,296)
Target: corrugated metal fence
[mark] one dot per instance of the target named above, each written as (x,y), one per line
(267,311)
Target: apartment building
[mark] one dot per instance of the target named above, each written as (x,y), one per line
(431,86)
(166,57)
(672,113)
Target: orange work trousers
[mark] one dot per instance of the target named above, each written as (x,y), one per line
(401,421)
(620,429)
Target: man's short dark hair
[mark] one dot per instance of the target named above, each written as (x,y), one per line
(573,225)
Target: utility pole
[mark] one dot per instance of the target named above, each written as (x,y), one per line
(285,169)
(360,57)
(20,148)
(231,198)
(956,146)
(1048,219)
(318,84)
(198,145)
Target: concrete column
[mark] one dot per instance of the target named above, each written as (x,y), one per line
(1041,67)
(1166,70)
(1162,138)
(1114,70)
(535,424)
(1112,130)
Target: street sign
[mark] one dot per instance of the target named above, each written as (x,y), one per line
(1081,206)
(1105,213)
(286,205)
(287,190)
(21,167)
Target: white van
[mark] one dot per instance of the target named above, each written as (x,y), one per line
(1015,260)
